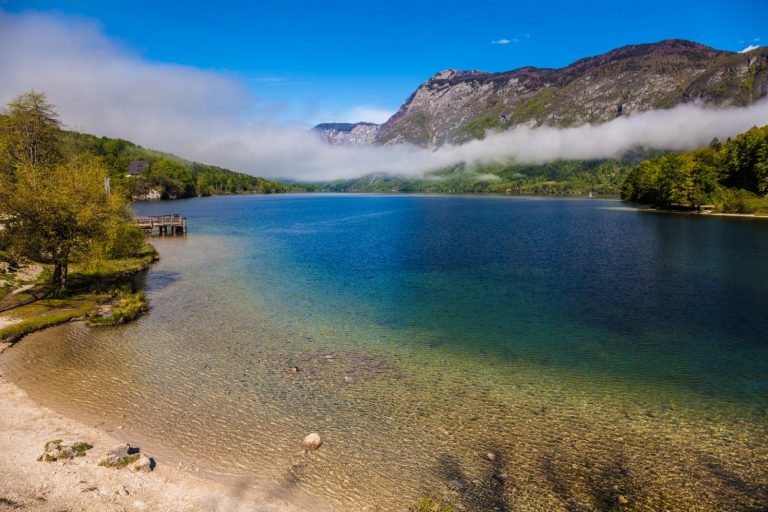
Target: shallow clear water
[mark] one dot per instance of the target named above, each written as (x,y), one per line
(597,352)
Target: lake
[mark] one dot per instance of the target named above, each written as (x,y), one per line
(606,358)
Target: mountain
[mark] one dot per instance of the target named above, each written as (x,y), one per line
(457,106)
(345,134)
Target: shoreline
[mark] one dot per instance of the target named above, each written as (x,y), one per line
(695,213)
(80,484)
(100,297)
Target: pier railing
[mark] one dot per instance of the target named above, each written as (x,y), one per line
(165,224)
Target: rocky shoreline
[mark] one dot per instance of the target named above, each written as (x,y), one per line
(80,483)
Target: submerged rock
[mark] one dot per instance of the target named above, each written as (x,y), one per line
(336,368)
(312,441)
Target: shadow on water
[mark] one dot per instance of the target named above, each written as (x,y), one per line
(161,279)
(485,494)
(606,487)
(733,483)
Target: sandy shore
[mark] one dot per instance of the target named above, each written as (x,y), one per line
(81,485)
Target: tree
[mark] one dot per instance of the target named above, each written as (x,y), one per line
(56,214)
(52,208)
(31,131)
(732,175)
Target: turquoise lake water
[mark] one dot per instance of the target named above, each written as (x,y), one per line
(609,358)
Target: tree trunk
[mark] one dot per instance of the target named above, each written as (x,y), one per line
(60,271)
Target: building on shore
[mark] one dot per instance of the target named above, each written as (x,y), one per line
(137,168)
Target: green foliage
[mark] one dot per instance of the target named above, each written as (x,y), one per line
(414,128)
(14,332)
(431,503)
(123,239)
(172,176)
(53,202)
(732,176)
(81,448)
(30,132)
(101,274)
(563,177)
(56,213)
(477,127)
(122,462)
(741,201)
(52,444)
(129,306)
(91,284)
(537,106)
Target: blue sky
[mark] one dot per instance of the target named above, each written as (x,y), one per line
(337,58)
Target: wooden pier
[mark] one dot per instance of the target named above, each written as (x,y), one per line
(165,224)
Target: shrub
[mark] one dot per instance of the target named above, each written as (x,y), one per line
(431,503)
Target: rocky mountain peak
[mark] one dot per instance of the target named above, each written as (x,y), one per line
(455,106)
(346,134)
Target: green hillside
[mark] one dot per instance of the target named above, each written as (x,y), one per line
(562,177)
(173,177)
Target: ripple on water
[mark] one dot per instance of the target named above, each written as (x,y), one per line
(412,382)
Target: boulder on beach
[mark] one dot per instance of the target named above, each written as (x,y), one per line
(142,465)
(312,441)
(124,455)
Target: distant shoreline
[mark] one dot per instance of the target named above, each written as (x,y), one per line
(699,213)
(606,197)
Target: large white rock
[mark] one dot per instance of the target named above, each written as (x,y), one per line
(142,465)
(312,441)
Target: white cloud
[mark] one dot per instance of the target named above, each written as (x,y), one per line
(750,48)
(504,41)
(103,89)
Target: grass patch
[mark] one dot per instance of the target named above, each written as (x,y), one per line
(122,462)
(99,274)
(431,503)
(129,307)
(15,332)
(5,289)
(92,285)
(81,448)
(51,444)
(55,450)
